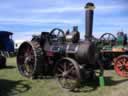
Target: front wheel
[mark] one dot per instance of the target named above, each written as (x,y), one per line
(67,72)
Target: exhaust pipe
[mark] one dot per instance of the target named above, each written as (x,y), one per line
(89,20)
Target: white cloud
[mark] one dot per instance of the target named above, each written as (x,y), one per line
(23,36)
(73,8)
(5,6)
(30,21)
(113,21)
(58,10)
(48,19)
(41,12)
(31,33)
(109,7)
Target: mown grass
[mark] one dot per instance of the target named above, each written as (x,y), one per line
(13,84)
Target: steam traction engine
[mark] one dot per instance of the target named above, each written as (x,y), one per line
(61,54)
(114,50)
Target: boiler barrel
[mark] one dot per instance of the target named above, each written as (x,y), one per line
(86,53)
(83,52)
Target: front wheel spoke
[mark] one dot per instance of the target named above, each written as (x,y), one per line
(70,77)
(59,69)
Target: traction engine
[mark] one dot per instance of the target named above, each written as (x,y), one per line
(60,54)
(114,51)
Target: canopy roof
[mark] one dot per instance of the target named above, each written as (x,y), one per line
(5,33)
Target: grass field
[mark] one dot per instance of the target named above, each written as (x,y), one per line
(13,84)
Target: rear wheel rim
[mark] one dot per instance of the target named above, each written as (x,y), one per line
(26,59)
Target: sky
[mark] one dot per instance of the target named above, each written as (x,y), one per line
(27,17)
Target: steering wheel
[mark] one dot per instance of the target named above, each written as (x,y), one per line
(57,34)
(107,38)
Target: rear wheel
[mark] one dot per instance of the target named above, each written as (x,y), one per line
(121,65)
(29,59)
(68,73)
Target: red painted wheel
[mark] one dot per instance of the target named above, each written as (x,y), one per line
(121,65)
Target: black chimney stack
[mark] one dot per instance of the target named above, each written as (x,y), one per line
(89,20)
